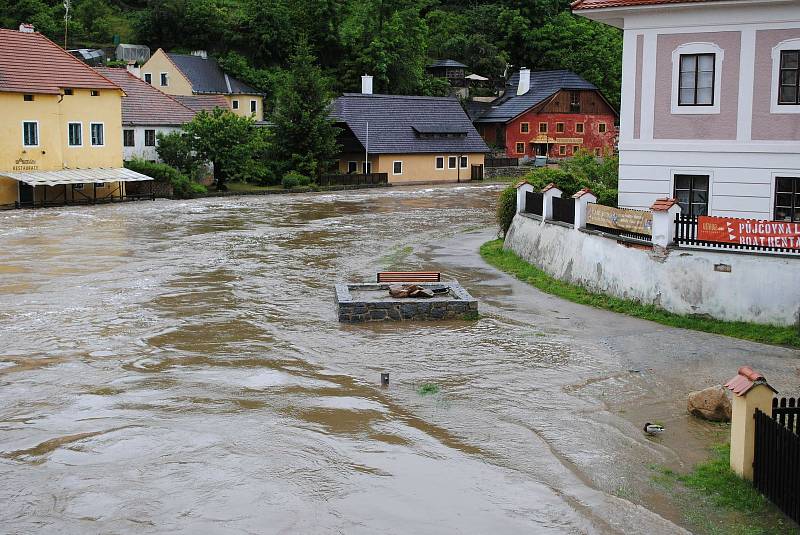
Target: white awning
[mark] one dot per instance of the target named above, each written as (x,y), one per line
(476,78)
(76,176)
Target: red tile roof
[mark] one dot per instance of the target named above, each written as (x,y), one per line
(662,205)
(583,192)
(600,4)
(203,102)
(143,104)
(549,187)
(32,63)
(521,183)
(745,379)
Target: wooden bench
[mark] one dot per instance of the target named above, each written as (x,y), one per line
(409,276)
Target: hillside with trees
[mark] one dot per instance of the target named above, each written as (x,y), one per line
(390,39)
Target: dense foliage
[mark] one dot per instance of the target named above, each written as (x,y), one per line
(506,208)
(582,171)
(182,186)
(390,39)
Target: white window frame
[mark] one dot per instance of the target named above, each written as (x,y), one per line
(38,134)
(253,106)
(103,126)
(355,165)
(436,163)
(697,171)
(155,137)
(146,75)
(234,104)
(163,77)
(455,165)
(774,107)
(80,129)
(696,48)
(466,159)
(401,167)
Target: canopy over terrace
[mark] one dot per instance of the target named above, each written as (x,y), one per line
(112,183)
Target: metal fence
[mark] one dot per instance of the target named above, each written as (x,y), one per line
(564,210)
(776,458)
(534,202)
(686,234)
(354,179)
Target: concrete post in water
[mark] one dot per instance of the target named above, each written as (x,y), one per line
(550,191)
(522,188)
(582,200)
(750,392)
(664,212)
(385,379)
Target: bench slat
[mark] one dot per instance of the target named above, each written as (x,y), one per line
(409,276)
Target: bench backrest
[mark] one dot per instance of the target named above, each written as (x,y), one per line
(409,276)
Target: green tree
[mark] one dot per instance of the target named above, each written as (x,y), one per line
(304,137)
(175,149)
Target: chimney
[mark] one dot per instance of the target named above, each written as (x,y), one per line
(26,28)
(134,69)
(200,54)
(366,85)
(524,81)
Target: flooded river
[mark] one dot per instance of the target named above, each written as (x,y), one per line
(177,367)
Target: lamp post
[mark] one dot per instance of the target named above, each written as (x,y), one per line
(67,4)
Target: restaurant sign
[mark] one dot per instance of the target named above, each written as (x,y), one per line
(22,164)
(624,219)
(749,232)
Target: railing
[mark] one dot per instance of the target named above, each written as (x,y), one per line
(776,464)
(501,162)
(354,179)
(564,210)
(686,232)
(534,203)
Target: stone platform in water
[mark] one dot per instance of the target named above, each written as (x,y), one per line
(359,303)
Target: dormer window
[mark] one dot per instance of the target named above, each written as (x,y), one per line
(164,80)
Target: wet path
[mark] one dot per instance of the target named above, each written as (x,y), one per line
(177,366)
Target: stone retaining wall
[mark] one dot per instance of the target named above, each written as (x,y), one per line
(516,172)
(382,307)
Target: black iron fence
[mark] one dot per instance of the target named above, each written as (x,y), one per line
(534,203)
(564,210)
(501,162)
(354,179)
(686,228)
(776,460)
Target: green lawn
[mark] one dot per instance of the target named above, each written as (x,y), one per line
(509,262)
(242,187)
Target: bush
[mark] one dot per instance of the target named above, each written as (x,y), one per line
(182,187)
(293,179)
(582,171)
(506,208)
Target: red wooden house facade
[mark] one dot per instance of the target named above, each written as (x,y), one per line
(549,113)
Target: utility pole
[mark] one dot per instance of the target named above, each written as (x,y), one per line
(67,4)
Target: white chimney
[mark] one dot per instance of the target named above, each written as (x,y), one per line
(134,69)
(524,81)
(26,28)
(200,54)
(366,85)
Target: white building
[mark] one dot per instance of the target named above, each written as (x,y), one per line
(710,104)
(146,112)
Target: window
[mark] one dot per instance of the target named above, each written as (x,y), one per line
(235,104)
(579,128)
(602,127)
(352,167)
(576,149)
(562,150)
(75,134)
(68,92)
(524,128)
(149,138)
(78,187)
(787,199)
(560,128)
(520,148)
(451,162)
(692,194)
(464,163)
(100,185)
(597,152)
(253,106)
(397,168)
(542,128)
(30,133)
(164,80)
(366,167)
(575,101)
(97,134)
(94,93)
(696,84)
(148,78)
(789,90)
(128,139)
(440,162)
(27,98)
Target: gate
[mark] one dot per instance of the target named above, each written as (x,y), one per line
(534,202)
(476,172)
(564,210)
(776,458)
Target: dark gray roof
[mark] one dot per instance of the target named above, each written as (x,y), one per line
(395,122)
(544,84)
(446,63)
(206,76)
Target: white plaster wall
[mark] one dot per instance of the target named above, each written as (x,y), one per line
(759,288)
(139,150)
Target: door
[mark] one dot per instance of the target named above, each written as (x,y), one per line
(25,194)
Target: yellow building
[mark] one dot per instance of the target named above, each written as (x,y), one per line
(197,74)
(411,139)
(60,127)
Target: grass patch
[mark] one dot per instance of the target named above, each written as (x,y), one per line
(508,261)
(472,315)
(428,389)
(243,187)
(714,500)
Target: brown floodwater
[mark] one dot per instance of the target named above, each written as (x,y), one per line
(177,367)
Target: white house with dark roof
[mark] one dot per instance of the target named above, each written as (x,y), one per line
(412,139)
(197,74)
(146,112)
(710,104)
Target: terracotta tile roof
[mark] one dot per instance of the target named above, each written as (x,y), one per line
(203,102)
(662,205)
(745,379)
(549,187)
(600,4)
(520,184)
(143,104)
(31,63)
(583,192)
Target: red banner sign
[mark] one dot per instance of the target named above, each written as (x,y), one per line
(749,232)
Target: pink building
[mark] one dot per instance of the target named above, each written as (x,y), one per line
(710,104)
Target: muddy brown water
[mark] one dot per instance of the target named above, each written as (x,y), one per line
(177,367)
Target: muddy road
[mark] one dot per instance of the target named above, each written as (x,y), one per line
(177,367)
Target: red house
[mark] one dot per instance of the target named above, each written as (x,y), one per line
(548,113)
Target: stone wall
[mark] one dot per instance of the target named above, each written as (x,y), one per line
(382,307)
(516,172)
